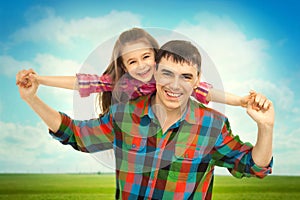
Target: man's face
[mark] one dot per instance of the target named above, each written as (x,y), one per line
(174,84)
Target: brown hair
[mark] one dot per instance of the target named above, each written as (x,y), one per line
(116,68)
(180,51)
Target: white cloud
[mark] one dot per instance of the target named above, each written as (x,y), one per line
(286,149)
(45,64)
(1,108)
(10,66)
(49,65)
(278,92)
(53,28)
(38,12)
(31,149)
(62,99)
(236,56)
(18,141)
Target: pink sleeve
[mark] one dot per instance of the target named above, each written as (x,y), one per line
(145,89)
(134,88)
(200,93)
(91,83)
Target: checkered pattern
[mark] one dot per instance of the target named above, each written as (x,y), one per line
(150,164)
(90,83)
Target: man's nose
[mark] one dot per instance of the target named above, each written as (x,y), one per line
(174,83)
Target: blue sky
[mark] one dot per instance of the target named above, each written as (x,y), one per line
(253,45)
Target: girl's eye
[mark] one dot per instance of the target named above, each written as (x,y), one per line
(166,74)
(147,56)
(131,62)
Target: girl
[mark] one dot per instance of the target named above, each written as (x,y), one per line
(134,52)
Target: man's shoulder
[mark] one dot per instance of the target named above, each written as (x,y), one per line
(140,102)
(137,107)
(206,111)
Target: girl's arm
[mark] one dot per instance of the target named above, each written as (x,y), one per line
(85,83)
(220,96)
(67,82)
(201,92)
(91,83)
(205,93)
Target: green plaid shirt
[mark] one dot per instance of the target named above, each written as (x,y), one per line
(150,164)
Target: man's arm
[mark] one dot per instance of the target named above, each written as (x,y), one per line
(264,117)
(88,136)
(242,159)
(50,116)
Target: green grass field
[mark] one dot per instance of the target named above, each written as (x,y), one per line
(92,186)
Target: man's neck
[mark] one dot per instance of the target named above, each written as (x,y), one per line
(166,117)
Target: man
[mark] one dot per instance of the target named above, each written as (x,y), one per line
(166,144)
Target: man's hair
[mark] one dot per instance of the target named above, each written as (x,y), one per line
(180,51)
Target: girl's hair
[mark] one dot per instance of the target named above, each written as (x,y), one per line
(116,68)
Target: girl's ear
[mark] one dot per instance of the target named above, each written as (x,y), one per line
(124,68)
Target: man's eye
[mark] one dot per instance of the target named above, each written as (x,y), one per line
(187,77)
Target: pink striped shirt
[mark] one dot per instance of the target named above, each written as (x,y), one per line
(91,83)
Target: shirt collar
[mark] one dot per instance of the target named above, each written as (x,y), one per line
(192,114)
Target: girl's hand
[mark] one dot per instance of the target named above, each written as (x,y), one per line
(23,78)
(244,100)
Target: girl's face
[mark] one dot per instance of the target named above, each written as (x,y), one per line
(139,60)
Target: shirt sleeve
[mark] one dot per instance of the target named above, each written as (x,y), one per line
(143,90)
(91,83)
(237,156)
(128,88)
(87,136)
(200,92)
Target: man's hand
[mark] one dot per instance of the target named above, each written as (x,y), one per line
(22,77)
(27,83)
(261,110)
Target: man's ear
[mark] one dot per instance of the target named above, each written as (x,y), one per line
(197,80)
(155,73)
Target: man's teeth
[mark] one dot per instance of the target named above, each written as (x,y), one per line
(173,94)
